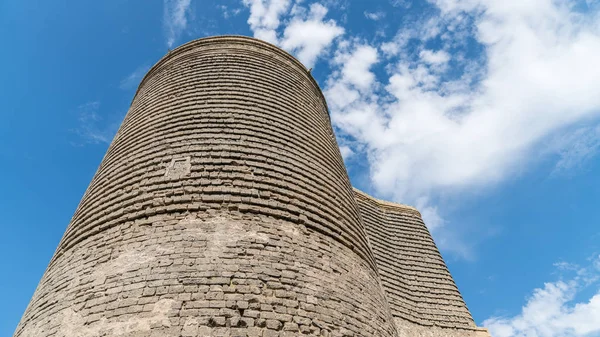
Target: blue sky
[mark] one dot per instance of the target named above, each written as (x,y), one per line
(483,114)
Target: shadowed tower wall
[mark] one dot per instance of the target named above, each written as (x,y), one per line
(423,297)
(222,207)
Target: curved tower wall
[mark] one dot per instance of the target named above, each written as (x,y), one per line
(222,207)
(420,290)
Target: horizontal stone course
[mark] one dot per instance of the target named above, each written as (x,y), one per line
(417,283)
(221,208)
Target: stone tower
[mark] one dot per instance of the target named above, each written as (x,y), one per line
(223,208)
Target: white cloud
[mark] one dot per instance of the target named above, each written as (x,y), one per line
(229,13)
(353,74)
(133,79)
(91,127)
(375,16)
(434,57)
(309,35)
(429,213)
(401,3)
(175,18)
(421,30)
(264,17)
(576,148)
(427,133)
(551,311)
(355,71)
(440,121)
(346,152)
(391,48)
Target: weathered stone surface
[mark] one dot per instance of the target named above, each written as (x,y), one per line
(419,288)
(223,208)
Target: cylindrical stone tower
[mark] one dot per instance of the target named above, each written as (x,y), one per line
(222,207)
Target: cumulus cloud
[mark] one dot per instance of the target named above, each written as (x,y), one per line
(434,57)
(428,131)
(551,310)
(307,36)
(346,152)
(175,18)
(348,88)
(264,17)
(435,121)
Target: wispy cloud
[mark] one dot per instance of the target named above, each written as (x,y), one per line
(576,148)
(375,16)
(133,79)
(91,127)
(400,3)
(551,310)
(346,152)
(229,12)
(175,19)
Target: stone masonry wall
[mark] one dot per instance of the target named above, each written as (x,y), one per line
(419,288)
(221,208)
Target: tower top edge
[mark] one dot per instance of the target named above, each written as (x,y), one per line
(232,39)
(241,39)
(389,204)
